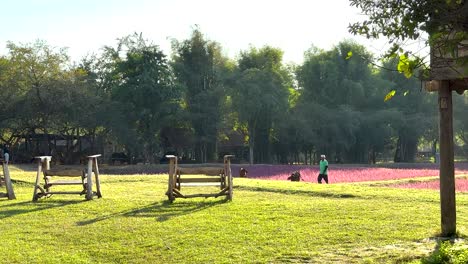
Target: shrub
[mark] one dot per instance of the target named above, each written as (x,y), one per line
(447,253)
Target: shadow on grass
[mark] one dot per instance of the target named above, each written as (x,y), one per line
(30,207)
(21,183)
(29,167)
(162,211)
(296,192)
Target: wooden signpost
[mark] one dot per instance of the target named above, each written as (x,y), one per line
(447,76)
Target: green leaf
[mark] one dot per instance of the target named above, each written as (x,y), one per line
(350,54)
(404,66)
(389,95)
(406,93)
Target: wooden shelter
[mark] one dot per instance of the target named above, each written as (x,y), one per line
(447,75)
(6,180)
(214,176)
(85,178)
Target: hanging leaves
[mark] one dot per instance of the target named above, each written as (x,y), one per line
(389,95)
(407,66)
(404,66)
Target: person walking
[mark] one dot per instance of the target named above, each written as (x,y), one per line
(323,174)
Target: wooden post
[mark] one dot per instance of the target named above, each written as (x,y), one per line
(172,172)
(447,169)
(38,179)
(96,174)
(43,163)
(227,170)
(46,162)
(89,180)
(9,187)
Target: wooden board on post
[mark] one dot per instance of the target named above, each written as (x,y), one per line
(448,72)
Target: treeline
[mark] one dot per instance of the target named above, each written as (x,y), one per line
(201,104)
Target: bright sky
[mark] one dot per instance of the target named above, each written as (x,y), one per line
(85,26)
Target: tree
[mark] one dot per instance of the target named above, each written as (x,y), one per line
(339,95)
(260,96)
(44,94)
(11,97)
(199,66)
(142,83)
(416,112)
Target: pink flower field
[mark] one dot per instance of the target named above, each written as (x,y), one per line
(461,185)
(350,173)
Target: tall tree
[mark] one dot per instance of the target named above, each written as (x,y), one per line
(199,65)
(416,112)
(143,84)
(50,96)
(260,96)
(338,92)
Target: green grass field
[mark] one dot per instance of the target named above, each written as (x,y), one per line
(267,222)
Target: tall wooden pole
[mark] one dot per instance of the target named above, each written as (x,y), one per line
(447,169)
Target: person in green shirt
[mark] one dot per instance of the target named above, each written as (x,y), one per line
(323,174)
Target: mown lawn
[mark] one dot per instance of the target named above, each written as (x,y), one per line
(267,222)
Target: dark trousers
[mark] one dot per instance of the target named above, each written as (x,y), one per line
(322,176)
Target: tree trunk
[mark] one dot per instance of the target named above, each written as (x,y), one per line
(251,152)
(397,157)
(434,150)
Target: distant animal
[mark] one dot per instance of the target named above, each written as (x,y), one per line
(243,173)
(295,176)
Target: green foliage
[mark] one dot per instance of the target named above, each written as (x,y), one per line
(144,87)
(443,21)
(447,253)
(43,93)
(132,94)
(405,66)
(200,68)
(337,97)
(260,96)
